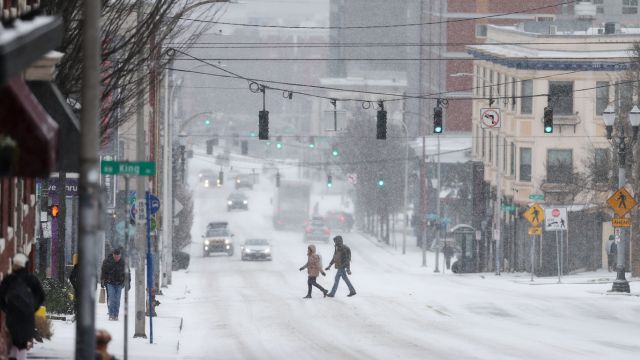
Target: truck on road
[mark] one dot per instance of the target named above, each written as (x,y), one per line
(291,204)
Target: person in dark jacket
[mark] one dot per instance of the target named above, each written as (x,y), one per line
(447,251)
(21,295)
(112,279)
(342,261)
(314,268)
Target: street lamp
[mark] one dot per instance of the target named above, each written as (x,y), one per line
(608,116)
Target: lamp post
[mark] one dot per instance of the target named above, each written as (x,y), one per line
(621,142)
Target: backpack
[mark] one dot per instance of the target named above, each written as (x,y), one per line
(20,298)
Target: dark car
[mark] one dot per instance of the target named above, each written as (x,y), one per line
(218,239)
(237,200)
(244,181)
(339,220)
(256,249)
(317,230)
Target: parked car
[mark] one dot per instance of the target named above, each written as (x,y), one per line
(237,200)
(339,220)
(217,239)
(317,230)
(256,249)
(244,181)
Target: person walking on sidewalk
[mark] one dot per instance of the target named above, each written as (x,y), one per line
(113,279)
(314,268)
(612,252)
(342,261)
(447,251)
(21,295)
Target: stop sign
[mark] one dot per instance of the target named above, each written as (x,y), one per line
(555,212)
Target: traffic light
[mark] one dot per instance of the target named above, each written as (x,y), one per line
(380,182)
(209,147)
(381,125)
(548,120)
(54,211)
(335,152)
(437,120)
(207,122)
(278,142)
(329,181)
(263,125)
(220,178)
(278,179)
(312,142)
(244,147)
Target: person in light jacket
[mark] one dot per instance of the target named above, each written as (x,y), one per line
(314,268)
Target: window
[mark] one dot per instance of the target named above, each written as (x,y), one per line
(481,30)
(624,92)
(598,1)
(629,10)
(630,2)
(476,91)
(600,167)
(561,93)
(483,140)
(504,155)
(504,87)
(629,6)
(490,148)
(525,164)
(559,165)
(513,159)
(484,82)
(491,83)
(544,18)
(602,96)
(600,10)
(526,101)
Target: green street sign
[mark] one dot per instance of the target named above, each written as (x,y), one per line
(508,207)
(536,196)
(137,168)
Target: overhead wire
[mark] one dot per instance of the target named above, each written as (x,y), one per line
(384,26)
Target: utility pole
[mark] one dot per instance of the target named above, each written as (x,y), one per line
(167,213)
(89,189)
(423,171)
(140,207)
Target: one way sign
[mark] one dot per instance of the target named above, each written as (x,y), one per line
(555,219)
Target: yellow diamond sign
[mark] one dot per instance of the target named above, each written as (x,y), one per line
(535,215)
(621,202)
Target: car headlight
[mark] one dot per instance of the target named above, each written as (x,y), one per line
(247,250)
(206,242)
(229,202)
(206,183)
(245,202)
(227,241)
(267,251)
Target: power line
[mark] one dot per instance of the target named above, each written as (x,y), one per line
(470,58)
(387,26)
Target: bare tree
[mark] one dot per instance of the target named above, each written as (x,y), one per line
(123,40)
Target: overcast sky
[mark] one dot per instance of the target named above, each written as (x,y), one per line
(281,11)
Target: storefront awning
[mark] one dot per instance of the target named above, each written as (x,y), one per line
(23,119)
(54,103)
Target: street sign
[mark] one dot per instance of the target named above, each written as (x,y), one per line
(46,230)
(535,230)
(536,196)
(137,168)
(555,219)
(141,216)
(44,216)
(508,207)
(621,202)
(490,118)
(152,224)
(534,215)
(177,207)
(154,204)
(621,222)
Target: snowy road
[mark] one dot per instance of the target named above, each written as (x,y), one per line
(254,310)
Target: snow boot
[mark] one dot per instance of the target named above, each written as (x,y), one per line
(307,297)
(351,294)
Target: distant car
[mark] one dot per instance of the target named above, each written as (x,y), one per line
(237,200)
(255,249)
(339,220)
(317,230)
(244,181)
(217,239)
(208,178)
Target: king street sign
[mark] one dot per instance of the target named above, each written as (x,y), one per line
(137,168)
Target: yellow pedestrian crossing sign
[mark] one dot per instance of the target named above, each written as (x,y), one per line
(621,202)
(535,215)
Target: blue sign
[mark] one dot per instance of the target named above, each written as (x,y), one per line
(154,204)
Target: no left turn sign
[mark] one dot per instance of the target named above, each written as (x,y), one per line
(490,118)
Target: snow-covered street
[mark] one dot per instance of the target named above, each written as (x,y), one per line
(233,309)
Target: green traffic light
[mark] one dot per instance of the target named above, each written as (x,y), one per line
(334,152)
(279,146)
(207,122)
(548,129)
(437,130)
(329,185)
(380,182)
(312,146)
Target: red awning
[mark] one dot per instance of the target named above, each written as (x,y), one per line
(23,119)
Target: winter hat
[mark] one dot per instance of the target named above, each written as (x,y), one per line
(116,251)
(338,240)
(20,260)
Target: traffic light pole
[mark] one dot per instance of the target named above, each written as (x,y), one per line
(127,272)
(621,284)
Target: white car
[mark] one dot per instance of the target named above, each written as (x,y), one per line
(218,239)
(256,249)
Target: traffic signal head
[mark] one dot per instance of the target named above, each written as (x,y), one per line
(381,182)
(437,120)
(312,142)
(548,120)
(329,181)
(381,125)
(54,211)
(244,147)
(220,178)
(279,142)
(209,147)
(335,152)
(207,122)
(263,125)
(278,179)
